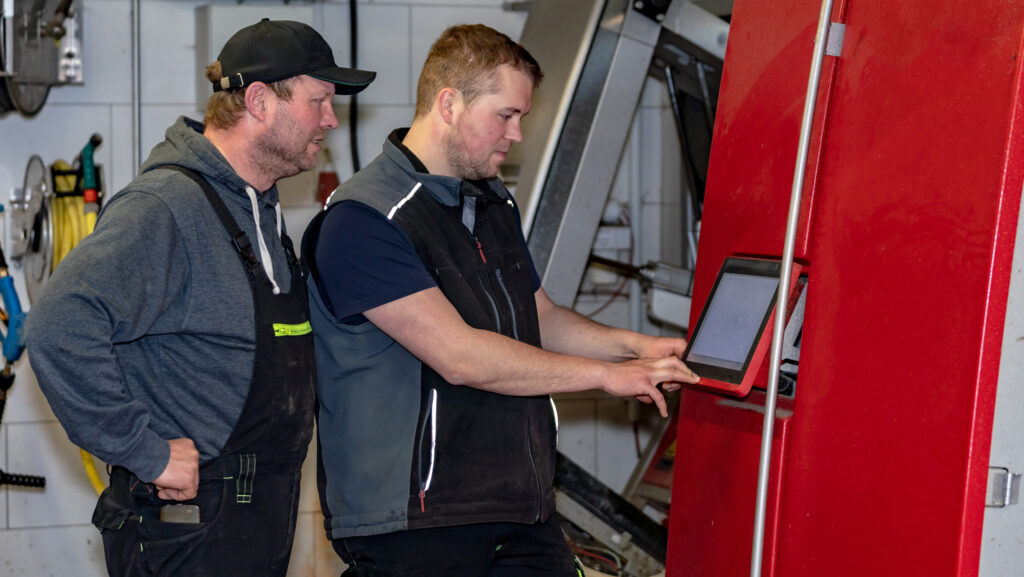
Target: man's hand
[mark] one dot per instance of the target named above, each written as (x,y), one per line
(650,346)
(640,378)
(180,479)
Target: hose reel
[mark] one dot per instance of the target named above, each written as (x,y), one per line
(40,47)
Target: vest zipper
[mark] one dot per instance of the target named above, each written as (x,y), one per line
(508,299)
(480,249)
(425,483)
(494,305)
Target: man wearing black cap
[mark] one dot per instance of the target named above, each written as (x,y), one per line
(174,341)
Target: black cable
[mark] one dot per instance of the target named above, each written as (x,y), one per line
(353,107)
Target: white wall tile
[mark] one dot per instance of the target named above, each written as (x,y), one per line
(576,430)
(429,22)
(120,144)
(168,51)
(649,129)
(296,219)
(383,48)
(106,56)
(54,551)
(68,499)
(4,491)
(614,313)
(461,3)
(597,435)
(375,124)
(650,231)
(617,457)
(155,121)
(25,402)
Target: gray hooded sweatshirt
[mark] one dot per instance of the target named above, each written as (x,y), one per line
(145,331)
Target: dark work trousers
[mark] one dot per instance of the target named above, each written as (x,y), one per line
(248,496)
(481,550)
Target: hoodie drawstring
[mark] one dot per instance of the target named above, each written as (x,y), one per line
(268,266)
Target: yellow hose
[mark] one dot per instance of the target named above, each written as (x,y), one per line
(90,470)
(70,225)
(69,219)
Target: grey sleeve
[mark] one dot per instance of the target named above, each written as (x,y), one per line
(112,288)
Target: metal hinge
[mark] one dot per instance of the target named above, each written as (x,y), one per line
(1003,487)
(834,43)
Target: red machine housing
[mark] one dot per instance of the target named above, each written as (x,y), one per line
(906,233)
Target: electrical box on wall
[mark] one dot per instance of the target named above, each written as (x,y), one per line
(215,23)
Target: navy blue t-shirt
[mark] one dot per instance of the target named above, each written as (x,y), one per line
(365,261)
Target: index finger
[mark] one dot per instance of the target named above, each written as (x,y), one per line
(659,400)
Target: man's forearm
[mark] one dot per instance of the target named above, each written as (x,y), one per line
(492,362)
(566,331)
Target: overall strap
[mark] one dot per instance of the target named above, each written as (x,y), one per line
(238,238)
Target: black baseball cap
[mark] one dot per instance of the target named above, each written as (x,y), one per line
(272,50)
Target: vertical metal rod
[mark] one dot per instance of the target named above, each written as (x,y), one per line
(684,145)
(782,299)
(636,310)
(705,93)
(136,90)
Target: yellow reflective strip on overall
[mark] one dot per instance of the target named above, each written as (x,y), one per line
(284,330)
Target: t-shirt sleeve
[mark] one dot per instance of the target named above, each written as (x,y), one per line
(533,269)
(365,261)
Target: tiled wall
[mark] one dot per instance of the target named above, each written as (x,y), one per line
(47,532)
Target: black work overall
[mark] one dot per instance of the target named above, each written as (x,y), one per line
(248,496)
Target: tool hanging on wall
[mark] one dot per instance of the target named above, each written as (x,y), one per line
(13,318)
(54,210)
(40,47)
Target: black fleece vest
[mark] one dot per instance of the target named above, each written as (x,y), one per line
(476,456)
(489,446)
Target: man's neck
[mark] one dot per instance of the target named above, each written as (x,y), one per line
(424,140)
(235,150)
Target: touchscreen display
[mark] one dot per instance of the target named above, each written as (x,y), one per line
(733,320)
(731,335)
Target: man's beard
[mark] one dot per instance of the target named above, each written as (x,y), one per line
(461,164)
(276,160)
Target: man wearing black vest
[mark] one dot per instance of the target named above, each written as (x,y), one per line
(437,349)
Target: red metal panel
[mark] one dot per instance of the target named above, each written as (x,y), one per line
(749,183)
(711,524)
(757,126)
(908,245)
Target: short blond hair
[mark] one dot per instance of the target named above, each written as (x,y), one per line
(225,107)
(467,58)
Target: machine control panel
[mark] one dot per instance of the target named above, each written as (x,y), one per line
(729,345)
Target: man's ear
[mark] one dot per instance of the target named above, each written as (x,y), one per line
(256,95)
(446,101)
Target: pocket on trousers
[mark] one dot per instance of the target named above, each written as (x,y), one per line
(177,548)
(112,509)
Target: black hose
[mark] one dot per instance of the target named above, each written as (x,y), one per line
(353,107)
